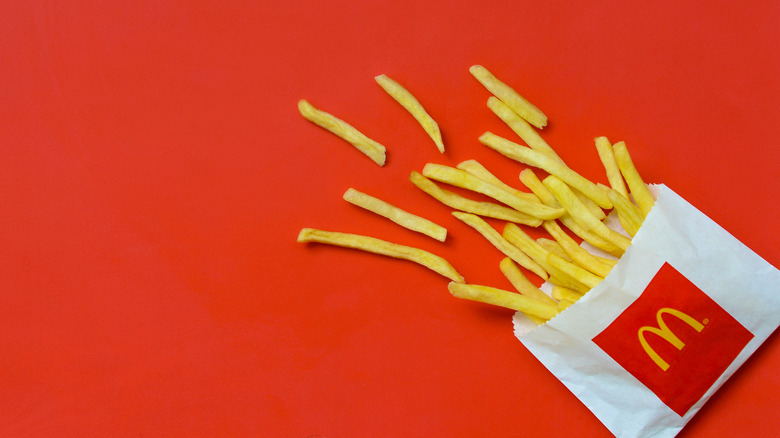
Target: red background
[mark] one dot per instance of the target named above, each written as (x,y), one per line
(154,173)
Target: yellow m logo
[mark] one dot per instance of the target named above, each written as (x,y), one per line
(663,331)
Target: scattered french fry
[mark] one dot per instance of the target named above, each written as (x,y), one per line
(520,127)
(509,96)
(382,247)
(523,285)
(415,108)
(504,298)
(581,215)
(500,242)
(607,156)
(475,168)
(462,179)
(395,214)
(537,159)
(642,196)
(479,208)
(369,147)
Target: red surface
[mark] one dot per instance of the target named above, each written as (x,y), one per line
(155,173)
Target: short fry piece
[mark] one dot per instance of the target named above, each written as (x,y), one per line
(520,127)
(369,147)
(500,242)
(415,108)
(509,96)
(642,196)
(580,213)
(504,298)
(465,180)
(521,282)
(607,156)
(382,247)
(475,168)
(395,214)
(459,202)
(537,159)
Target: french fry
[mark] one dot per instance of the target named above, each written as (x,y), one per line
(554,247)
(573,271)
(517,237)
(475,168)
(577,253)
(564,304)
(509,96)
(607,156)
(415,108)
(562,293)
(523,285)
(581,215)
(369,147)
(630,216)
(382,247)
(520,127)
(642,196)
(537,159)
(592,207)
(529,178)
(559,278)
(500,242)
(504,298)
(465,180)
(395,214)
(480,208)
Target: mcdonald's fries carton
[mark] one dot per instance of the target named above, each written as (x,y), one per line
(683,309)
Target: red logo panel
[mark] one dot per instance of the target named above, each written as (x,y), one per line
(675,339)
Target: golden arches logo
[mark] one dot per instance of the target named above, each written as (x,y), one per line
(663,331)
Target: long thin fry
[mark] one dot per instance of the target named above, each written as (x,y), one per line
(458,202)
(577,253)
(607,156)
(462,179)
(415,108)
(554,247)
(396,214)
(382,247)
(500,242)
(537,159)
(569,201)
(475,168)
(520,127)
(503,298)
(563,293)
(583,276)
(523,285)
(642,196)
(509,96)
(369,147)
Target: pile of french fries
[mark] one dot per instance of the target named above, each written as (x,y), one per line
(561,200)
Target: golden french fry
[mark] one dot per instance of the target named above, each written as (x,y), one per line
(607,156)
(503,298)
(554,247)
(475,168)
(581,215)
(561,293)
(500,242)
(592,207)
(415,108)
(509,96)
(382,247)
(529,178)
(573,271)
(395,214)
(578,254)
(522,128)
(517,237)
(523,285)
(537,159)
(369,147)
(564,304)
(630,215)
(642,196)
(480,208)
(465,180)
(560,279)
